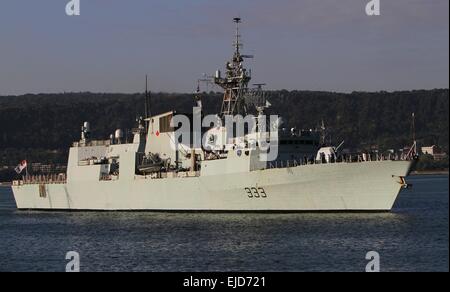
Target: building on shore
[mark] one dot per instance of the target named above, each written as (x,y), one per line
(435,151)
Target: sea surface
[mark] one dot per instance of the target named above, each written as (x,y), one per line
(414,237)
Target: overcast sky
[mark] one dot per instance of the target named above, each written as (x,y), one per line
(298,44)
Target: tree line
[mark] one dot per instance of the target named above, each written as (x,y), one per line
(41,127)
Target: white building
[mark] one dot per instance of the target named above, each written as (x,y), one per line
(434,151)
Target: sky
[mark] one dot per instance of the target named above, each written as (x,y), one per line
(329,45)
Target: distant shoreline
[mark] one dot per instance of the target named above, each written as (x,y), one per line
(430,172)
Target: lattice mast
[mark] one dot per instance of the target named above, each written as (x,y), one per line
(236,79)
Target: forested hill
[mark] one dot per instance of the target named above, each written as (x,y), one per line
(33,124)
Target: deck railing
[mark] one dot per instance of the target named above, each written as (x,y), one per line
(348,158)
(42,179)
(345,158)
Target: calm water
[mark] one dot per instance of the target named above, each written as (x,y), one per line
(412,238)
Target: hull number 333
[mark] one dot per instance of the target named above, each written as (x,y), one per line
(255,192)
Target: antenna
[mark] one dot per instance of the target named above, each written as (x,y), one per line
(259,85)
(147,99)
(237,43)
(413,129)
(323,133)
(413,150)
(235,81)
(146,96)
(147,103)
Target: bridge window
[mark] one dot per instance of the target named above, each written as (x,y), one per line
(164,124)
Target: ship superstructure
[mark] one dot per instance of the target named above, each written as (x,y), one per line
(225,172)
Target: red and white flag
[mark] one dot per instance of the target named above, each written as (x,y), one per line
(19,168)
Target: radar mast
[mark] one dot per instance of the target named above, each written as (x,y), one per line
(236,79)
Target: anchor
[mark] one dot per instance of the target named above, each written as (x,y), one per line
(402,182)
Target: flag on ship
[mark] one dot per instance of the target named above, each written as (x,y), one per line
(19,168)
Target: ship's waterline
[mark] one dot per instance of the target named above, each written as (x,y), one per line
(340,186)
(413,237)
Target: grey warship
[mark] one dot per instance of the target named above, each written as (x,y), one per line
(156,172)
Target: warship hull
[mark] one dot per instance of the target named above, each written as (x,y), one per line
(362,186)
